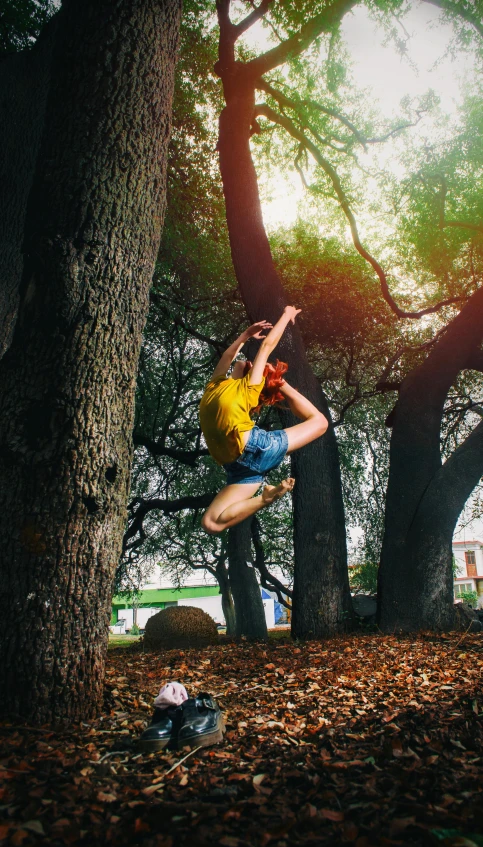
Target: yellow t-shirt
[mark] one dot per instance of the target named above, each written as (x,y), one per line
(225,414)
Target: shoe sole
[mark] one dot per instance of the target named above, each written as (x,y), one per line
(205,740)
(151,746)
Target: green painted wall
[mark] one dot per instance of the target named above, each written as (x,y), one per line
(158,597)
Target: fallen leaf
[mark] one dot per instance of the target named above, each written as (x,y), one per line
(34,826)
(151,789)
(104,797)
(332,814)
(141,826)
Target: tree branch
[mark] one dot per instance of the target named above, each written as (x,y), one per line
(228,36)
(157,448)
(465,225)
(453,483)
(253,17)
(283,100)
(140,508)
(298,167)
(299,42)
(267,579)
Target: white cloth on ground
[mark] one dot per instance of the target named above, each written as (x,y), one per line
(171,694)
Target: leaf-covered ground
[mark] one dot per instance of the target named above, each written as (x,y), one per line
(366,740)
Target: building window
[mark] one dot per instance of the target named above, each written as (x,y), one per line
(470,563)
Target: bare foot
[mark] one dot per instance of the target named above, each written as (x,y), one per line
(274,492)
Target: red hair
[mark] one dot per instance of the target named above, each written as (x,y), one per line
(270,393)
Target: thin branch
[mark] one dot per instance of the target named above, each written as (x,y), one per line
(348,404)
(342,119)
(298,167)
(378,139)
(382,383)
(377,483)
(217,345)
(283,100)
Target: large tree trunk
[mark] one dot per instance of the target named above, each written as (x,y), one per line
(249,612)
(321,600)
(24,85)
(424,496)
(67,381)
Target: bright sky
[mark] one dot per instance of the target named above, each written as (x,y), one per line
(390,77)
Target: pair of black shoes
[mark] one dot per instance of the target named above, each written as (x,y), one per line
(198,722)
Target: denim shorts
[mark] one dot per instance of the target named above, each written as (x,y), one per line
(263,452)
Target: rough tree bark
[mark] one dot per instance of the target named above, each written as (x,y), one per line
(67,381)
(321,594)
(425,496)
(249,612)
(24,85)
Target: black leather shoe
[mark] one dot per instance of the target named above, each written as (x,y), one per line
(202,723)
(163,730)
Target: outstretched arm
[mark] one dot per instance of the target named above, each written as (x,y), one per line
(270,342)
(253,331)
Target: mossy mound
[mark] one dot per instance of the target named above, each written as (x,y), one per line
(180,626)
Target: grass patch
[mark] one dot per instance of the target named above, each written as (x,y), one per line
(118,640)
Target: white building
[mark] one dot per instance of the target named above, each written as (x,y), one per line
(469,568)
(199,589)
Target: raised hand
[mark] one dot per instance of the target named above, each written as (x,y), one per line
(292,312)
(256,330)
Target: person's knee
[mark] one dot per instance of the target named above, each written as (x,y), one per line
(209,525)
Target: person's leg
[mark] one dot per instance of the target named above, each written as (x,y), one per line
(314,422)
(234,503)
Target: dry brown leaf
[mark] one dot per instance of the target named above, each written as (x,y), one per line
(106,797)
(332,814)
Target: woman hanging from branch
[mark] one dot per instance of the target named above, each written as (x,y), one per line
(246,452)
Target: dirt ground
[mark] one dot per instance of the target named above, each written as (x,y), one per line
(364,740)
